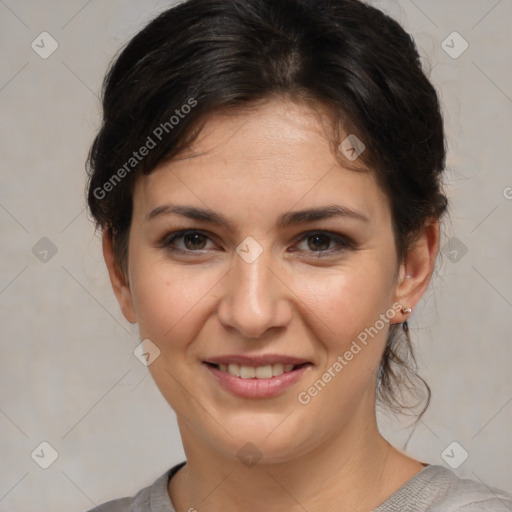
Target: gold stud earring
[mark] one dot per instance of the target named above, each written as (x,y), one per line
(406,311)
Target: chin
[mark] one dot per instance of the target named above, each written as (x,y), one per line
(261,439)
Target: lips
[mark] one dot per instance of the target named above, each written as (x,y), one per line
(256,376)
(257,387)
(257,367)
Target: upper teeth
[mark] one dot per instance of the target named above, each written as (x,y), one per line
(259,372)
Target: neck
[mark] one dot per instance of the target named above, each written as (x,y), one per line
(356,470)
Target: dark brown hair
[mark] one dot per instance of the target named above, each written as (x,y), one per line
(206,56)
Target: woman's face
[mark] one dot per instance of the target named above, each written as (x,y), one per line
(287,261)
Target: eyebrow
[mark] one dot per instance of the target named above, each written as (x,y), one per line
(285,220)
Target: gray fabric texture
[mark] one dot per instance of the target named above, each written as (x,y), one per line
(434,489)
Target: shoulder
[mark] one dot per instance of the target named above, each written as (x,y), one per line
(153,498)
(467,495)
(438,489)
(141,502)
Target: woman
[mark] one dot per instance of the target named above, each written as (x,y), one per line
(268,182)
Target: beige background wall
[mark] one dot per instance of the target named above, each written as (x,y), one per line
(68,375)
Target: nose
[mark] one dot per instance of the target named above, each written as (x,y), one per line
(255,298)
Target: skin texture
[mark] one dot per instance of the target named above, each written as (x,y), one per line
(252,168)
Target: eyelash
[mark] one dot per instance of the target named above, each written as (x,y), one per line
(344,243)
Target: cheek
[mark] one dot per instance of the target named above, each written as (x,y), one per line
(346,310)
(345,300)
(171,302)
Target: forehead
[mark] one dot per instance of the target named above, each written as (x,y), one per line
(277,132)
(276,155)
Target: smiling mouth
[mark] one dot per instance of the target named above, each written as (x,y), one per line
(256,372)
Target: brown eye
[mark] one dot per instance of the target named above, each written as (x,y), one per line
(323,243)
(187,242)
(194,241)
(319,242)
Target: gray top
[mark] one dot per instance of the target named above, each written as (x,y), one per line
(434,489)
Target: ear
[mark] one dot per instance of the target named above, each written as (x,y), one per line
(417,268)
(117,279)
